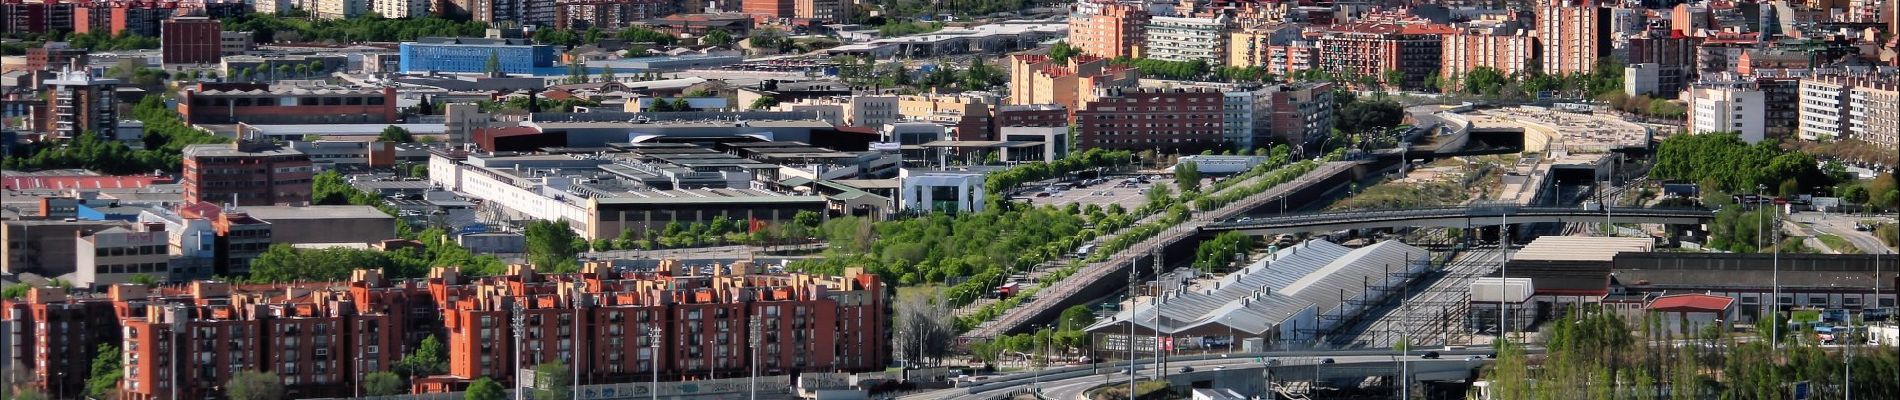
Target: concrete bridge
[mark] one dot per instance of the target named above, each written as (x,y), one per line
(1456,217)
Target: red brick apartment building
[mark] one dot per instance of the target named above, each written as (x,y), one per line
(809,323)
(1167,120)
(187,341)
(22,17)
(1371,49)
(51,338)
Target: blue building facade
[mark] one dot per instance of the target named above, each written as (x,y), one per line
(470,55)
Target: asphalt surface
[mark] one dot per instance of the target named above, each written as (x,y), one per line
(1843,225)
(1072,388)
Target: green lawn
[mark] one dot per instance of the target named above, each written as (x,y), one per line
(1839,244)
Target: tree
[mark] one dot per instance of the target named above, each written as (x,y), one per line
(764,102)
(551,246)
(396,134)
(382,383)
(427,359)
(254,385)
(921,327)
(1370,115)
(493,65)
(1075,317)
(485,389)
(717,37)
(15,291)
(107,369)
(553,381)
(1061,52)
(1855,194)
(1187,175)
(144,279)
(1394,78)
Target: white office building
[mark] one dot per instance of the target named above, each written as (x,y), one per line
(947,191)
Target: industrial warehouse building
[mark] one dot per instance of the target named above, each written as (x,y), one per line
(1284,301)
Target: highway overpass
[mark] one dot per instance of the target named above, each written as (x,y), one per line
(1455,217)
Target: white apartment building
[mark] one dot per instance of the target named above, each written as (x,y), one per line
(1873,114)
(1187,39)
(401,8)
(1728,107)
(341,9)
(1860,108)
(1823,109)
(1238,110)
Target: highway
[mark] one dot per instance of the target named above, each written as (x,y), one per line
(1069,383)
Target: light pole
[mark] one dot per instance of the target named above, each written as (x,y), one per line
(654,334)
(1132,266)
(520,325)
(1776,277)
(1774,304)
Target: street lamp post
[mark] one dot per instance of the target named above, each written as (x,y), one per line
(1774,304)
(654,334)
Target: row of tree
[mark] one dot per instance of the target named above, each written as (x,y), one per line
(1227,247)
(1594,354)
(164,138)
(269,28)
(1176,70)
(1722,162)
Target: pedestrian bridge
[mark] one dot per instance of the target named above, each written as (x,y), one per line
(1457,217)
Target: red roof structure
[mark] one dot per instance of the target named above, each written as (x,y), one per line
(82,182)
(1691,303)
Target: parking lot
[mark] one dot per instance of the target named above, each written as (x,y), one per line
(1111,191)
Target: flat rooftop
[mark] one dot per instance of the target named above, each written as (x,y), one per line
(275,213)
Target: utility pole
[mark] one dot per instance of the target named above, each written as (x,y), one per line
(520,330)
(1160,291)
(1504,277)
(575,328)
(1405,351)
(1132,303)
(757,335)
(1776,279)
